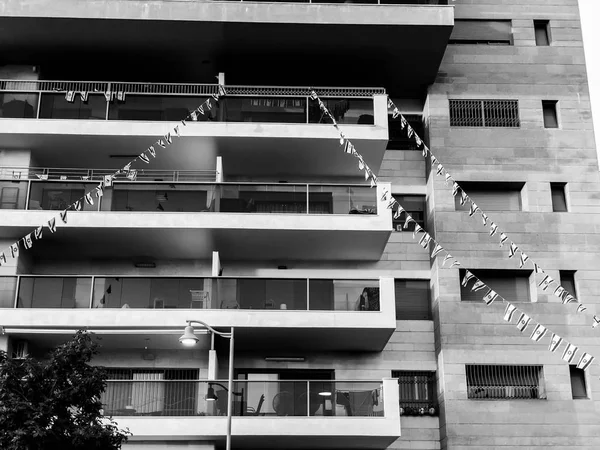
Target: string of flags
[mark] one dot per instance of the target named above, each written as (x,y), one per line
(489,296)
(27,241)
(70,96)
(494,230)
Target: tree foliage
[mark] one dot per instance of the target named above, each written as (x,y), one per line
(55,403)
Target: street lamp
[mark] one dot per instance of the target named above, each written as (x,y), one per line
(189,339)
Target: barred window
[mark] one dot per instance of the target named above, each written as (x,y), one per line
(418,393)
(505,382)
(484,113)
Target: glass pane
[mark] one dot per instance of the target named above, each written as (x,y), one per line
(355,295)
(262,293)
(54,292)
(58,196)
(56,106)
(157,108)
(354,111)
(342,200)
(158,197)
(8,287)
(265,109)
(18,105)
(277,198)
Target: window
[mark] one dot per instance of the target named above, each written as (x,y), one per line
(550,113)
(418,392)
(559,197)
(491,32)
(505,382)
(567,280)
(491,196)
(542,32)
(415,205)
(578,382)
(484,113)
(510,284)
(412,300)
(398,138)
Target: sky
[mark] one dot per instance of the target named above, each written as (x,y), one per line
(590,11)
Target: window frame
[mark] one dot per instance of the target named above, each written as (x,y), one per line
(460,108)
(584,381)
(563,190)
(553,104)
(402,316)
(485,277)
(568,277)
(472,187)
(542,25)
(416,406)
(480,40)
(398,223)
(514,389)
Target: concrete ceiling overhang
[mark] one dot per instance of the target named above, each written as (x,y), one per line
(400,46)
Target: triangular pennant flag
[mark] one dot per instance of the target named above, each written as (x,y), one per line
(484,218)
(493,228)
(384,196)
(410,131)
(395,114)
(313,95)
(152,151)
(88,199)
(342,138)
(373,182)
(425,240)
(596,321)
(27,241)
(568,299)
(176,130)
(554,342)
(221,90)
(581,308)
(454,263)
(490,297)
(585,361)
(523,322)
(52,225)
(398,212)
(144,158)
(200,109)
(403,122)
(509,311)
(512,251)
(78,205)
(455,189)
(2,258)
(84,96)
(448,178)
(14,249)
(183,123)
(194,115)
(434,160)
(463,197)
(390,103)
(161,143)
(569,353)
(42,176)
(503,239)
(523,260)
(108,180)
(70,96)
(416,230)
(436,250)
(391,203)
(559,292)
(38,232)
(361,164)
(366,173)
(63,216)
(446,258)
(546,282)
(132,174)
(408,220)
(479,285)
(419,142)
(468,277)
(108,96)
(473,209)
(168,138)
(349,148)
(126,167)
(537,268)
(538,332)
(208,104)
(99,191)
(440,169)
(121,96)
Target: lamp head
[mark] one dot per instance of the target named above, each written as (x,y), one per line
(210,394)
(188,339)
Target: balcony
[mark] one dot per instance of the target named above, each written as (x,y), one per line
(270,313)
(237,38)
(238,219)
(257,130)
(273,414)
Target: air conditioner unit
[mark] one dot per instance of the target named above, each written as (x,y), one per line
(20,349)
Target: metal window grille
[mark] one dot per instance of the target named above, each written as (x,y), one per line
(167,374)
(484,113)
(418,393)
(505,382)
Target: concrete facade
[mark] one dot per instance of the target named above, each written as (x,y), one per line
(338,247)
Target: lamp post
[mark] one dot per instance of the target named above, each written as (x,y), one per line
(189,339)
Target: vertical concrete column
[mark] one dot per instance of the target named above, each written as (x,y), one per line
(4,343)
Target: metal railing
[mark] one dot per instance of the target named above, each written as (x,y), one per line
(156,191)
(484,113)
(505,382)
(96,291)
(99,100)
(418,394)
(149,395)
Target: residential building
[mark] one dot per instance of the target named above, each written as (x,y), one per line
(347,333)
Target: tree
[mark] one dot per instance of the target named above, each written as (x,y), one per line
(55,403)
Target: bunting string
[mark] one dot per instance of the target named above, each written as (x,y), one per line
(489,296)
(513,249)
(27,241)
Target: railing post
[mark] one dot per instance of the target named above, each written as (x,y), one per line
(308,398)
(307,100)
(27,197)
(307,199)
(39,105)
(92,291)
(17,287)
(308,294)
(108,101)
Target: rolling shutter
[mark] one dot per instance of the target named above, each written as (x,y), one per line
(474,31)
(412,300)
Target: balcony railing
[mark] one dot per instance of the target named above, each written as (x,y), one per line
(362,2)
(172,102)
(293,398)
(165,196)
(298,294)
